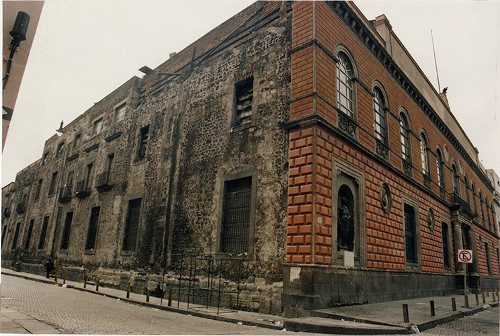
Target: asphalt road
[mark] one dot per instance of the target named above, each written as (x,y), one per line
(71,311)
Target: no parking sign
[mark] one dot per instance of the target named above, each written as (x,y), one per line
(465,256)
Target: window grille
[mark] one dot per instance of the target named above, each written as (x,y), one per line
(410,234)
(236,216)
(380,116)
(92,230)
(243,101)
(446,246)
(43,233)
(66,231)
(132,225)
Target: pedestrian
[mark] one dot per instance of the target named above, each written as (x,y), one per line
(49,267)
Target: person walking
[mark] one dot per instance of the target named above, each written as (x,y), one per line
(49,267)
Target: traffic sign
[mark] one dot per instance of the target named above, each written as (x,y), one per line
(465,256)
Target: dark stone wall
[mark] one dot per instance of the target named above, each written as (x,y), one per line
(318,287)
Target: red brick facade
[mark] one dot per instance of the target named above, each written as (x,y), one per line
(316,141)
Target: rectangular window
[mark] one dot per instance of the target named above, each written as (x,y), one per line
(43,233)
(243,102)
(236,216)
(143,142)
(28,235)
(97,127)
(410,234)
(45,158)
(88,177)
(92,231)
(132,225)
(488,260)
(78,139)
(60,149)
(16,236)
(38,189)
(120,113)
(66,231)
(53,182)
(446,246)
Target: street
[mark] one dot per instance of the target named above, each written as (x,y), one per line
(70,311)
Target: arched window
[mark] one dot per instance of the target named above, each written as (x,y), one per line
(473,188)
(380,115)
(456,180)
(404,131)
(487,212)
(466,182)
(481,204)
(424,155)
(345,92)
(440,171)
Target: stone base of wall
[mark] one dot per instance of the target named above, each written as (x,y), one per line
(307,288)
(256,296)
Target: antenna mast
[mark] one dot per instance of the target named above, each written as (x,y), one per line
(435,62)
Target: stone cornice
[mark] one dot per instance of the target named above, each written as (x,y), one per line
(346,14)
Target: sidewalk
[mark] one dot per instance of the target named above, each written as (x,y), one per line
(14,322)
(376,318)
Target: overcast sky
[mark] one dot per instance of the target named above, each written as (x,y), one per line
(84,49)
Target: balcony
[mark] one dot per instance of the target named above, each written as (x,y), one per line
(21,207)
(82,190)
(462,205)
(103,182)
(65,194)
(427,182)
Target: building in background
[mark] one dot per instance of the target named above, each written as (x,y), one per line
(15,55)
(496,195)
(289,151)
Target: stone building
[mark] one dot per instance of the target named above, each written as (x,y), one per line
(289,140)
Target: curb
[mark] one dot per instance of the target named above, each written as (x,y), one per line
(293,325)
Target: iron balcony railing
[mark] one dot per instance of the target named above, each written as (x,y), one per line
(65,194)
(82,190)
(102,182)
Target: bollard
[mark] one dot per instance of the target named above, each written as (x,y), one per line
(97,285)
(487,293)
(64,277)
(129,288)
(477,299)
(147,294)
(170,292)
(406,316)
(484,298)
(466,299)
(433,311)
(84,280)
(453,304)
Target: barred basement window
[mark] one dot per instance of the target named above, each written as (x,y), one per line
(16,236)
(92,230)
(243,102)
(143,142)
(410,234)
(132,225)
(43,233)
(446,245)
(28,235)
(236,216)
(66,231)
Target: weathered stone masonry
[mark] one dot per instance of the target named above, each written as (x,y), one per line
(239,146)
